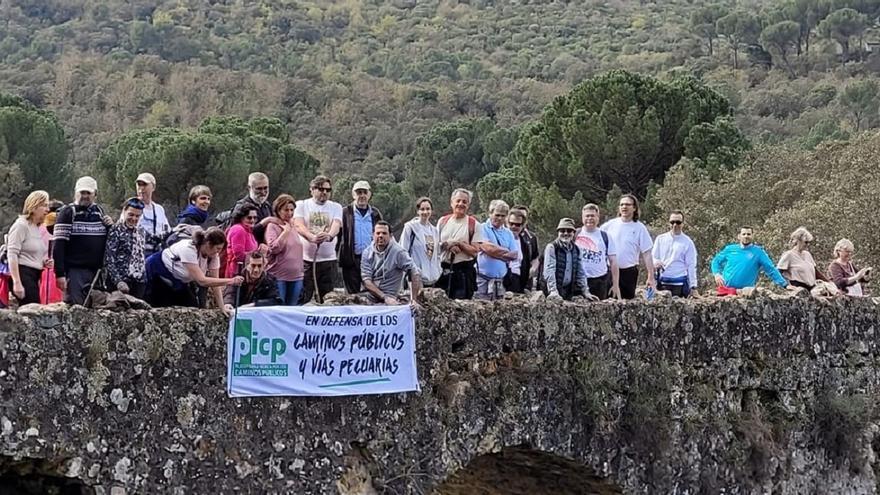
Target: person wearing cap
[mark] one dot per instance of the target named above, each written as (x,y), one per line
(358,220)
(80,238)
(124,260)
(153,221)
(564,276)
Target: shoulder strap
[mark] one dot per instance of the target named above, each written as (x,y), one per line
(472,227)
(442,222)
(605,240)
(412,239)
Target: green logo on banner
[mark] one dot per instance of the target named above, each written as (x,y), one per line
(256,356)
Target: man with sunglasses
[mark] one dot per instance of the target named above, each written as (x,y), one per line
(124,260)
(564,276)
(318,221)
(528,266)
(675,259)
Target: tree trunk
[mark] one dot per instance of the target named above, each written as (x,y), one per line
(711,50)
(735,58)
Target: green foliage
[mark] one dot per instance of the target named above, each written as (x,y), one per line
(861,101)
(456,154)
(717,145)
(739,28)
(220,154)
(841,25)
(33,141)
(615,129)
(782,38)
(778,189)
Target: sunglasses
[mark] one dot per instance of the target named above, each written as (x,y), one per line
(324,189)
(134,203)
(566,231)
(675,222)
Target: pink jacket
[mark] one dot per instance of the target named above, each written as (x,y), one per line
(239,242)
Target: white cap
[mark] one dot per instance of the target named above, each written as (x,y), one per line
(86,184)
(361,184)
(146,177)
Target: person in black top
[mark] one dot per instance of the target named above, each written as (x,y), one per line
(80,237)
(358,220)
(530,263)
(259,288)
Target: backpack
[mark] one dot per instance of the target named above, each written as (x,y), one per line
(179,233)
(472,225)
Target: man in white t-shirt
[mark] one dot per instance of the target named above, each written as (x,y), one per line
(675,258)
(318,220)
(598,255)
(632,240)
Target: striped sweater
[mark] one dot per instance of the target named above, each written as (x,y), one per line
(80,237)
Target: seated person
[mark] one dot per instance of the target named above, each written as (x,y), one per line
(383,265)
(259,288)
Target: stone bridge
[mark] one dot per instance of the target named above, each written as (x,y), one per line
(749,395)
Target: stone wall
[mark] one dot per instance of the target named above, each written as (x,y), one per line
(748,395)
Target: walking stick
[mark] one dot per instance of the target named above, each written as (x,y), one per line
(237,298)
(318,296)
(91,288)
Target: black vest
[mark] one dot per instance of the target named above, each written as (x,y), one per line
(569,291)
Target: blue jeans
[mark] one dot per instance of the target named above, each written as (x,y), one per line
(289,291)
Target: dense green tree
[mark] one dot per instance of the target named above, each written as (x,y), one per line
(740,28)
(703,21)
(33,140)
(220,154)
(861,101)
(456,154)
(615,129)
(780,39)
(716,146)
(841,25)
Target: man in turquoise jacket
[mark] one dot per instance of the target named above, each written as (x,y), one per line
(737,266)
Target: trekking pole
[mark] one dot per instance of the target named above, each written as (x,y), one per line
(237,297)
(318,296)
(91,288)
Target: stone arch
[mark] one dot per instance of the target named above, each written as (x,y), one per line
(27,476)
(524,471)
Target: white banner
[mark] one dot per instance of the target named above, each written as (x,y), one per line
(321,350)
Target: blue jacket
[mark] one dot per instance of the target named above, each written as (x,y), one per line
(740,266)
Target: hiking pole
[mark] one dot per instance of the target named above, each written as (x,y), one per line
(237,298)
(318,296)
(91,287)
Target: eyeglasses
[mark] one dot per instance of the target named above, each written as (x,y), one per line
(324,189)
(566,231)
(134,203)
(675,222)
(514,224)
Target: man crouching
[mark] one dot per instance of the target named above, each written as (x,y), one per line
(383,266)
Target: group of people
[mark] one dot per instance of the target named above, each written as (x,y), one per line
(288,251)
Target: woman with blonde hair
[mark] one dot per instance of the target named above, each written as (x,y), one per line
(26,250)
(843,273)
(797,264)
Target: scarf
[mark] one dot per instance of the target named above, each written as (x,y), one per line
(191,211)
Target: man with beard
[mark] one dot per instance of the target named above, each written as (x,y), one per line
(738,265)
(318,221)
(563,274)
(528,266)
(80,239)
(258,196)
(385,264)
